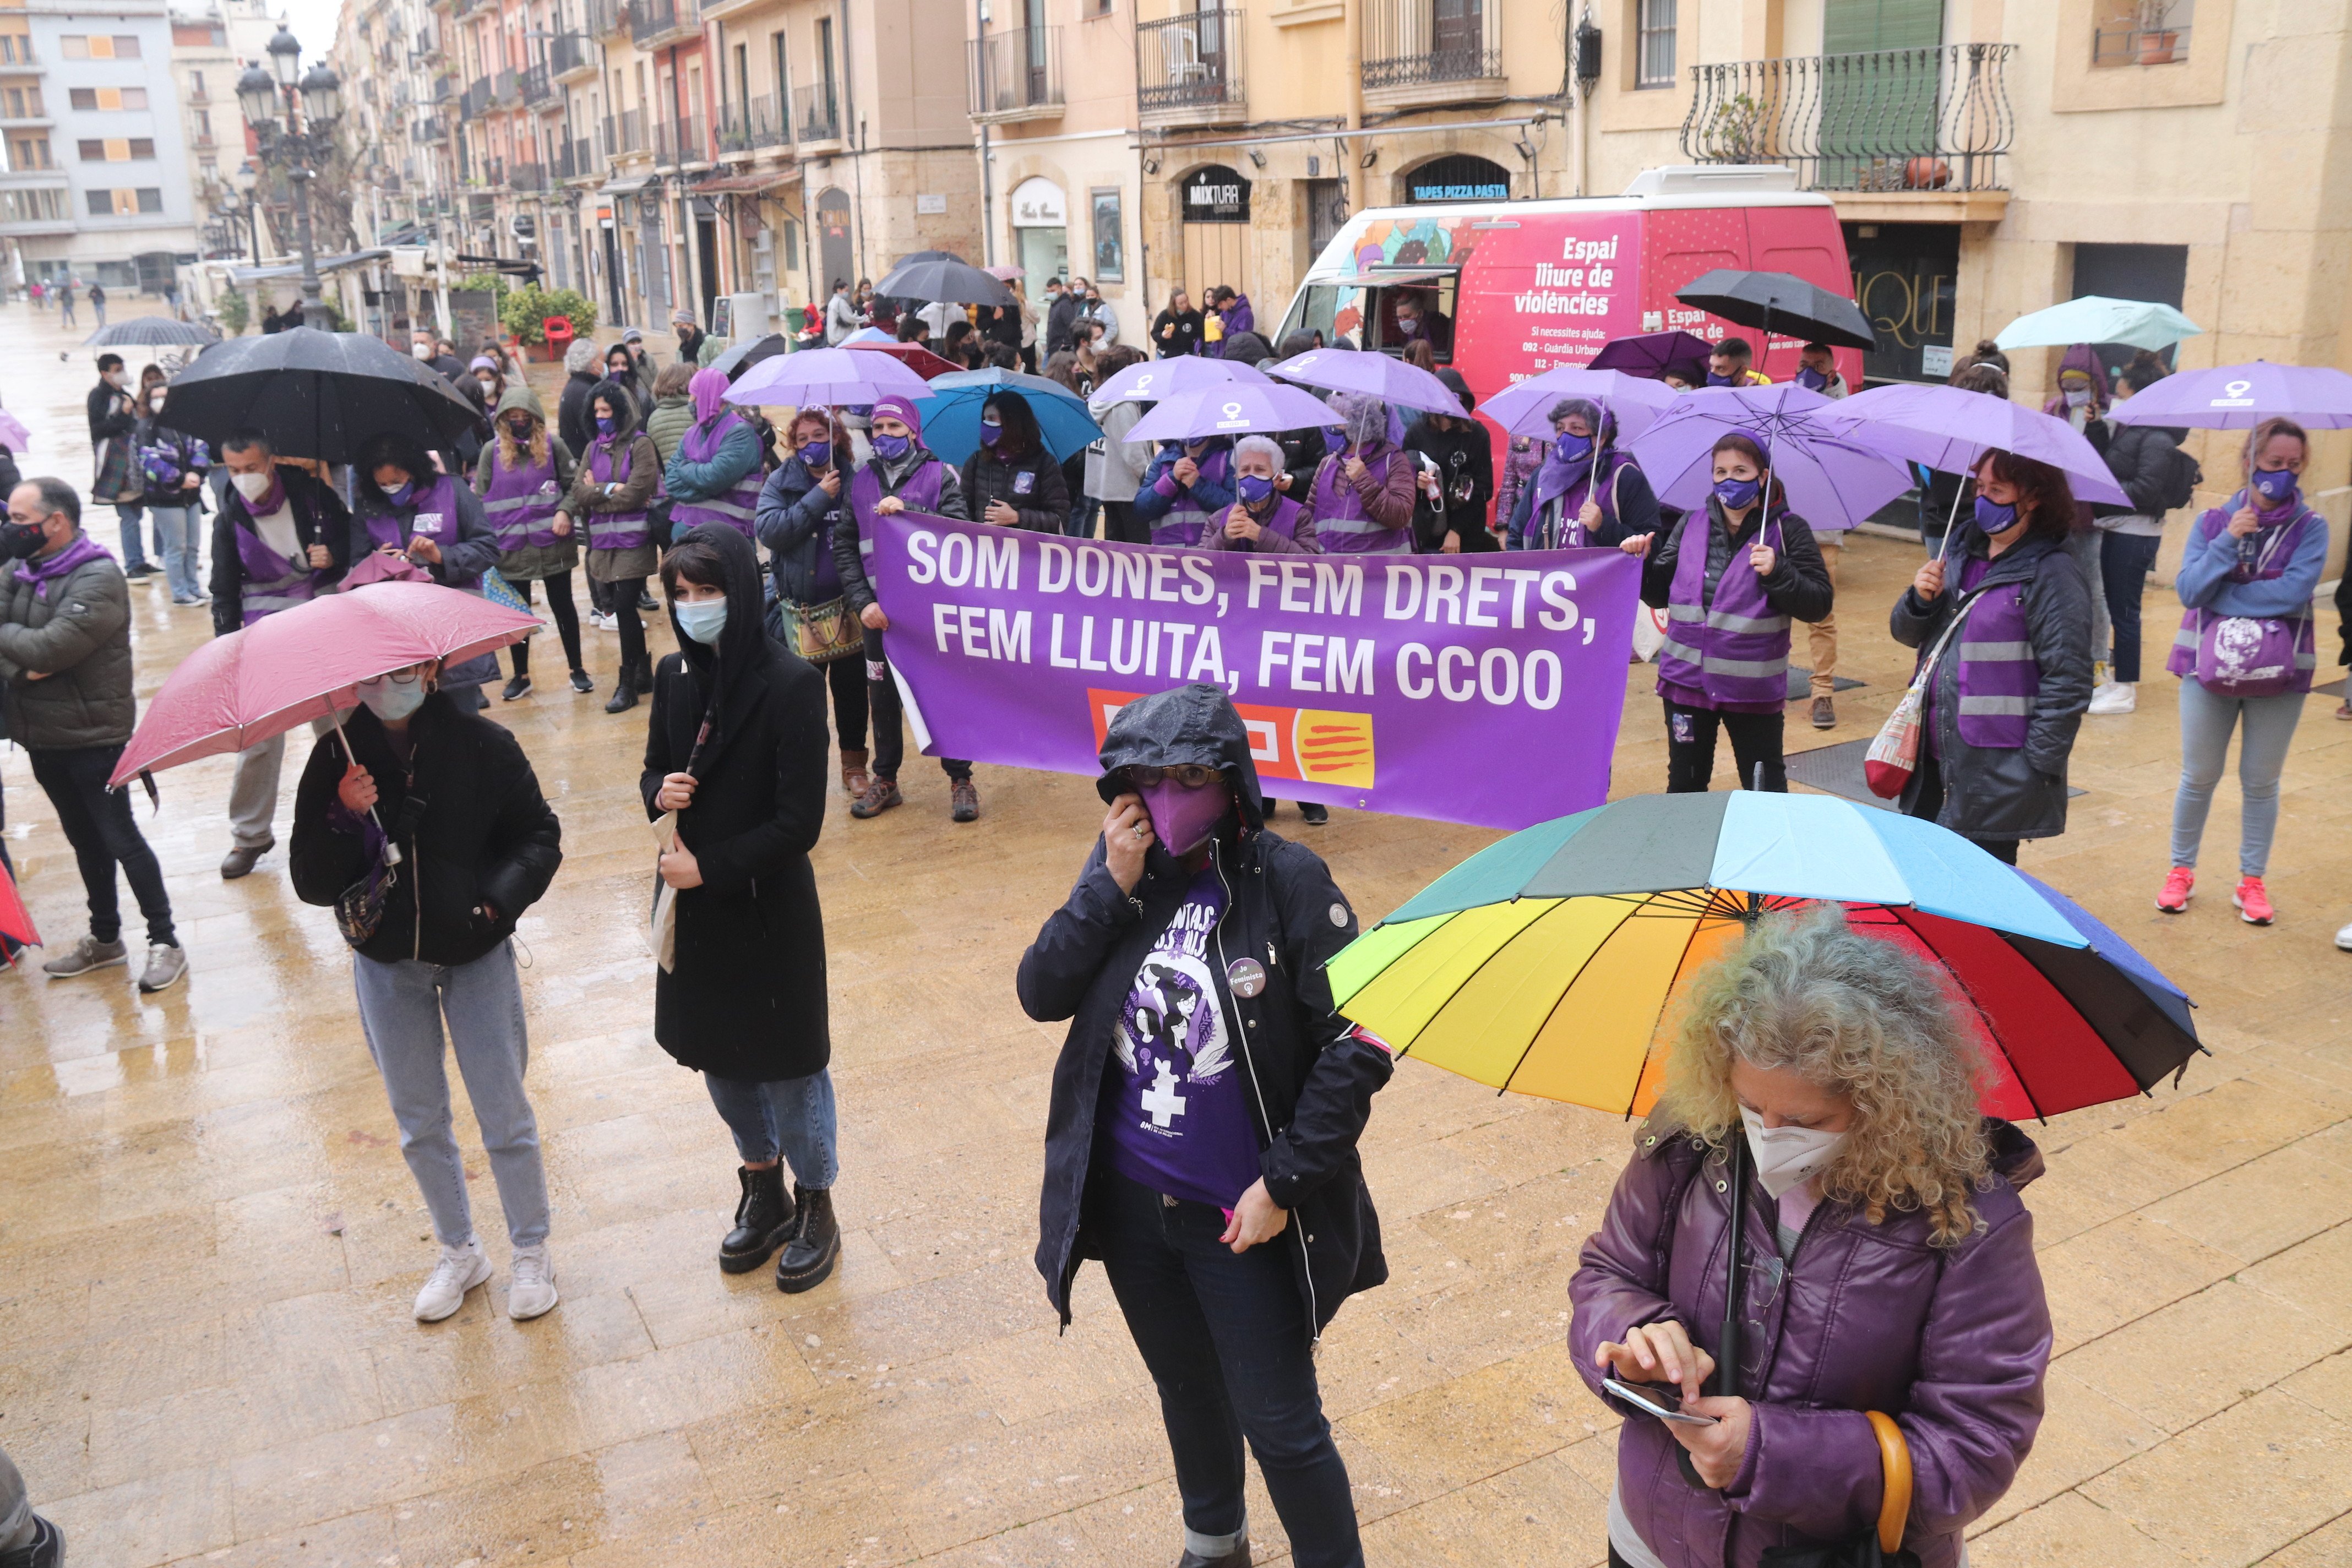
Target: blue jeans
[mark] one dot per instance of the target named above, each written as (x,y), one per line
(2125,562)
(135,553)
(2205,721)
(1081,523)
(1226,1338)
(790,1116)
(178,537)
(402,1008)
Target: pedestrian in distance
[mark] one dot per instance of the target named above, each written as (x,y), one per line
(1177,330)
(1731,575)
(406,508)
(735,748)
(478,845)
(66,301)
(621,371)
(2149,466)
(1732,363)
(1188,487)
(1587,491)
(580,381)
(715,474)
(903,475)
(673,410)
(1205,1111)
(691,337)
(2008,692)
(1363,493)
(98,302)
(1817,371)
(117,480)
(611,489)
(282,537)
(842,316)
(801,518)
(66,668)
(1063,306)
(2244,655)
(525,472)
(1079,522)
(1011,480)
(173,464)
(1115,465)
(1881,1211)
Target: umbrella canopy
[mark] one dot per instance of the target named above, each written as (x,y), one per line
(743,357)
(1005,274)
(317,394)
(1779,302)
(1833,480)
(824,378)
(914,356)
(302,664)
(12,433)
(1546,962)
(15,921)
(149,332)
(1156,378)
(1391,380)
(943,277)
(1947,428)
(1655,355)
(1235,408)
(1634,401)
(2095,318)
(952,412)
(867,335)
(2241,397)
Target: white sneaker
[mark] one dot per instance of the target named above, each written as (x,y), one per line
(2344,939)
(2115,697)
(603,622)
(530,1283)
(461,1269)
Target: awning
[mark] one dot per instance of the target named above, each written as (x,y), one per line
(731,185)
(294,269)
(511,266)
(1390,276)
(628,184)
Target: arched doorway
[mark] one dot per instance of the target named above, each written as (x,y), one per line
(1212,206)
(835,255)
(1040,232)
(1458,177)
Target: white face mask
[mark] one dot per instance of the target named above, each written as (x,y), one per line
(392,700)
(252,487)
(422,350)
(1786,1157)
(2078,397)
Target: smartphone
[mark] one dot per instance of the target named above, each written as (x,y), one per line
(1663,1400)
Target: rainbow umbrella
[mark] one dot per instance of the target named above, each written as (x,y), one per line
(1546,962)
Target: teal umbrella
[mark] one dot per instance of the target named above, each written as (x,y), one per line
(2095,318)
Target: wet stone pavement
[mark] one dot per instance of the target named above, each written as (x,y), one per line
(208,1240)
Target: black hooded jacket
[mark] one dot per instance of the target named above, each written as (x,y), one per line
(1313,1073)
(747,999)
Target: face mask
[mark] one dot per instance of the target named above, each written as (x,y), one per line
(2078,397)
(991,432)
(1993,519)
(19,539)
(156,403)
(1715,380)
(1254,488)
(702,620)
(606,425)
(519,428)
(1408,325)
(1184,818)
(400,493)
(1570,448)
(892,447)
(485,382)
(252,487)
(116,378)
(1812,379)
(391,701)
(1737,494)
(2275,486)
(1787,1157)
(817,454)
(422,350)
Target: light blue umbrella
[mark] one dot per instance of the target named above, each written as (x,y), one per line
(951,409)
(2095,318)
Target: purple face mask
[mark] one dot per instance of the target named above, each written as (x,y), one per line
(1183,818)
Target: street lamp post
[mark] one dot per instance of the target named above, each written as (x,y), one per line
(312,104)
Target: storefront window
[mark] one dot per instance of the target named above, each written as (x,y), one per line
(1110,248)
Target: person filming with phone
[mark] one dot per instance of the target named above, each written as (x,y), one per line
(1887,1268)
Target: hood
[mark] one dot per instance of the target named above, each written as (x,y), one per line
(739,645)
(624,406)
(519,395)
(2015,1156)
(708,390)
(1169,729)
(2084,358)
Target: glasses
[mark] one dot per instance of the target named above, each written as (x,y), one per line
(408,676)
(1192,775)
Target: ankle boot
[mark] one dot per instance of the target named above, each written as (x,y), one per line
(809,1255)
(853,778)
(762,1220)
(626,689)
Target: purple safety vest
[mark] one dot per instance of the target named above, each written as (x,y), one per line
(1341,524)
(1283,519)
(613,530)
(920,493)
(431,513)
(1182,523)
(1998,677)
(1554,513)
(739,507)
(522,503)
(1736,650)
(2271,561)
(272,582)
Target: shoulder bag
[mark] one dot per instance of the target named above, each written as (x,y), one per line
(2250,656)
(661,918)
(1893,753)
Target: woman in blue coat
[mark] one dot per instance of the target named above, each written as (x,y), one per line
(800,509)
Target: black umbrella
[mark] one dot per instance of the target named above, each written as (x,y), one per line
(316,394)
(1776,302)
(743,356)
(149,331)
(943,277)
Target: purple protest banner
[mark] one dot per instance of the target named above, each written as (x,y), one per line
(1483,688)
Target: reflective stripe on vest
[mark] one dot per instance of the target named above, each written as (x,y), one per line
(1999,678)
(613,530)
(1736,649)
(737,507)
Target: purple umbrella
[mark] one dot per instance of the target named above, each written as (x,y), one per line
(1655,354)
(12,433)
(2241,397)
(1235,408)
(1374,374)
(1526,409)
(1156,378)
(1831,481)
(825,378)
(1947,428)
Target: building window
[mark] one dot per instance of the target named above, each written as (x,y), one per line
(27,152)
(2141,32)
(98,45)
(125,203)
(1653,43)
(115,149)
(21,102)
(108,98)
(32,206)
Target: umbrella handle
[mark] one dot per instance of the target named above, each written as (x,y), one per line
(335,715)
(1944,545)
(1727,1350)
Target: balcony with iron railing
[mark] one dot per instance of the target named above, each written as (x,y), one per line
(624,135)
(653,22)
(445,89)
(571,55)
(1425,53)
(679,144)
(476,100)
(506,89)
(744,127)
(1914,123)
(817,115)
(1188,69)
(1014,76)
(603,18)
(575,158)
(428,133)
(527,177)
(539,88)
(493,171)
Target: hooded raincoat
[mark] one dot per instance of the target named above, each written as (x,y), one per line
(530,562)
(628,457)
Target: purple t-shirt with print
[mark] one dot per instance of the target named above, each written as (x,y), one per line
(1174,1099)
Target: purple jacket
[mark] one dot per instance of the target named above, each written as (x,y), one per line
(1953,1343)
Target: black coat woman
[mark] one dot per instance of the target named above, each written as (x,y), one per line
(1205,1111)
(737,748)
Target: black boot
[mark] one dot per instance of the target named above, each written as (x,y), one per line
(762,1221)
(1239,1557)
(626,690)
(808,1257)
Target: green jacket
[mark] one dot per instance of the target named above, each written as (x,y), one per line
(78,639)
(672,417)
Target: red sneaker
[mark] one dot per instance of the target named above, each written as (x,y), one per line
(2253,903)
(2174,900)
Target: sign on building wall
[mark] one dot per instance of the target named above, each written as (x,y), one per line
(1038,203)
(1458,178)
(1215,194)
(1906,279)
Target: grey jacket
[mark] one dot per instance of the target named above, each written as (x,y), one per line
(78,640)
(2004,791)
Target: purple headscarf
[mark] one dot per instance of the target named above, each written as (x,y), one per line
(708,389)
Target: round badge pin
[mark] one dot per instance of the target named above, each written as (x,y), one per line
(1246,976)
(1340,916)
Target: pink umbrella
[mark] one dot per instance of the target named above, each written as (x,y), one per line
(1005,274)
(12,433)
(304,663)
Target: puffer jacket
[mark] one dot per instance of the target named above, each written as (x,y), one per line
(77,639)
(797,521)
(2139,457)
(2007,792)
(1951,1341)
(671,418)
(1315,1072)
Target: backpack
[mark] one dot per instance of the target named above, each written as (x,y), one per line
(2177,478)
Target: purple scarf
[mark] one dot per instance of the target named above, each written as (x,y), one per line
(43,572)
(271,499)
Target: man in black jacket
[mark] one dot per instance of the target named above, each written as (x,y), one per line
(1061,307)
(113,428)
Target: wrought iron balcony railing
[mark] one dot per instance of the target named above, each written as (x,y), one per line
(476,99)
(527,177)
(656,22)
(506,88)
(1888,120)
(1014,75)
(678,142)
(605,17)
(538,87)
(1416,43)
(570,55)
(1189,61)
(625,133)
(759,124)
(816,114)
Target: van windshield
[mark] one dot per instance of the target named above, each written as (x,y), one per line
(1385,317)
